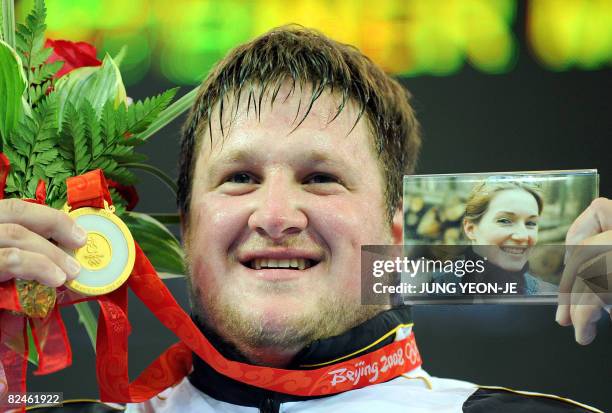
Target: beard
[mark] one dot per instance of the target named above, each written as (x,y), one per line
(248,329)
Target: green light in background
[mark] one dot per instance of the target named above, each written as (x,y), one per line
(571,33)
(207,32)
(187,68)
(183,38)
(442,34)
(491,45)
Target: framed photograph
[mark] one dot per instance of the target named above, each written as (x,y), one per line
(477,237)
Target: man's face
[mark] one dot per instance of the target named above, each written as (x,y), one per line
(277,219)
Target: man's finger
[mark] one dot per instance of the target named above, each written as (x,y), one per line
(587,250)
(43,220)
(14,235)
(595,219)
(585,312)
(26,265)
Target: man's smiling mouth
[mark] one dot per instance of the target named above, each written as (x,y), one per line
(289,263)
(280,259)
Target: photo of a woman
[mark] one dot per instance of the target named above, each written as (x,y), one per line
(501,222)
(515,224)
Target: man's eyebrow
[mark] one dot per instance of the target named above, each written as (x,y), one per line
(243,156)
(236,156)
(318,156)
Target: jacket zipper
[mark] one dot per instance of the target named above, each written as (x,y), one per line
(270,405)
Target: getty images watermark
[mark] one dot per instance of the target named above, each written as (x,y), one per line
(477,274)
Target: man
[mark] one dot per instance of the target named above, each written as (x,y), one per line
(292,158)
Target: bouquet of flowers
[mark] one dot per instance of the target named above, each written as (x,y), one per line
(63,112)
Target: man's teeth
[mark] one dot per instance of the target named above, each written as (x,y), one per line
(512,250)
(298,263)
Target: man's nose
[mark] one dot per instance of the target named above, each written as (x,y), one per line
(277,213)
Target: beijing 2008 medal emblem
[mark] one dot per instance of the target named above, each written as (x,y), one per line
(108,256)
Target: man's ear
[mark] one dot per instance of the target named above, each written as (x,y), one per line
(397,227)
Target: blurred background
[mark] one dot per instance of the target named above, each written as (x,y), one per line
(499,85)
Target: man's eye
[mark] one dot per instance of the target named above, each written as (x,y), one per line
(321,179)
(532,224)
(240,178)
(504,221)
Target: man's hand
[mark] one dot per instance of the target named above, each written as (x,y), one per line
(26,251)
(588,237)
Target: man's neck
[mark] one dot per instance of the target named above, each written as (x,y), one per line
(269,356)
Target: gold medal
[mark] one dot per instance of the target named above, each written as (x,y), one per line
(108,256)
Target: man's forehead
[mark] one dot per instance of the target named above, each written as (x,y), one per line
(284,112)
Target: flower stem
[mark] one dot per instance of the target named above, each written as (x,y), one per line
(155,172)
(166,218)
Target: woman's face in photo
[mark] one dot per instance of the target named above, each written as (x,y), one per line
(510,225)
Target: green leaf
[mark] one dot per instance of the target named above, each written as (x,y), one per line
(1,20)
(18,162)
(142,113)
(40,57)
(97,85)
(121,175)
(38,92)
(31,187)
(31,37)
(158,173)
(93,132)
(118,202)
(54,168)
(120,125)
(131,158)
(32,353)
(157,242)
(12,86)
(120,56)
(170,113)
(87,318)
(45,72)
(45,119)
(39,126)
(11,183)
(73,143)
(107,123)
(20,144)
(8,22)
(166,218)
(43,145)
(45,158)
